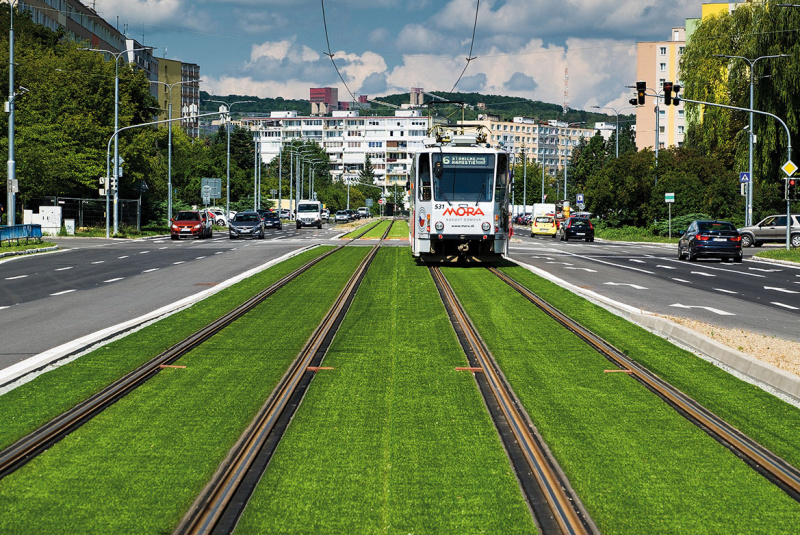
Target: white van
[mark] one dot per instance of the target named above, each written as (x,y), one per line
(309,214)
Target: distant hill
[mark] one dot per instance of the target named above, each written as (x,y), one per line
(504,107)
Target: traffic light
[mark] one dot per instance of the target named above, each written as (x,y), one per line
(791,189)
(675,98)
(667,93)
(641,88)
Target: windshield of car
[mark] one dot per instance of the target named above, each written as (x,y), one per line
(239,218)
(187,216)
(709,226)
(308,208)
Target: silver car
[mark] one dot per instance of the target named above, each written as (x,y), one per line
(771,229)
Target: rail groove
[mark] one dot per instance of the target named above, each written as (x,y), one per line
(764,461)
(555,506)
(26,448)
(219,506)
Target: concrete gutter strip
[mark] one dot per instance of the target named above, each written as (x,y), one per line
(30,368)
(766,376)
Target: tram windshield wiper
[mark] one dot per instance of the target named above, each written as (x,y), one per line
(442,193)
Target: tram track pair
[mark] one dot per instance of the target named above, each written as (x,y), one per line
(28,447)
(555,507)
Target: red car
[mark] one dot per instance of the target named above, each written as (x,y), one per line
(191,223)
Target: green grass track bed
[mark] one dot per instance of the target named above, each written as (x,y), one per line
(138,466)
(399,230)
(393,439)
(638,466)
(376,232)
(355,232)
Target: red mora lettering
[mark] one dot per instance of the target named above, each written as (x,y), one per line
(462,211)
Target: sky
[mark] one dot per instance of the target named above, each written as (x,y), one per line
(521,48)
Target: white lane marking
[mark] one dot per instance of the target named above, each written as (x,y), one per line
(634,286)
(200,258)
(150,270)
(710,309)
(666,267)
(3,308)
(790,307)
(98,262)
(723,290)
(115,280)
(162,248)
(64,268)
(562,263)
(121,257)
(784,290)
(681,280)
(64,292)
(703,273)
(764,270)
(636,260)
(583,269)
(180,262)
(143,252)
(220,252)
(15,278)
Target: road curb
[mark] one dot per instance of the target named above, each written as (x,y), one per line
(28,251)
(747,367)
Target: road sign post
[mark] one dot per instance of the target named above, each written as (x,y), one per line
(669,198)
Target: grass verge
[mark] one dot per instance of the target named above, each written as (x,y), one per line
(393,439)
(377,230)
(25,408)
(138,466)
(791,255)
(399,230)
(5,247)
(358,230)
(638,466)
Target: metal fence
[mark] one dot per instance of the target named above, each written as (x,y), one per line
(20,232)
(92,212)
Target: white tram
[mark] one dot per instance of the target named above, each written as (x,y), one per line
(459,193)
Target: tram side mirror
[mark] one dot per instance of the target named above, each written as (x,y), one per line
(438,169)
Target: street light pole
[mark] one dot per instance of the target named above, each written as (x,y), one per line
(227,116)
(616,131)
(12,165)
(748,214)
(116,128)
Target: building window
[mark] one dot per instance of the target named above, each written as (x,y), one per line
(662,51)
(662,67)
(680,130)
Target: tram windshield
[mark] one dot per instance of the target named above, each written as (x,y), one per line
(464,177)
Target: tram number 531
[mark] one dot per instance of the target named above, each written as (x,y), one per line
(439,206)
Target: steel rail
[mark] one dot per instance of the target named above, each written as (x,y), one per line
(220,495)
(26,448)
(764,461)
(567,511)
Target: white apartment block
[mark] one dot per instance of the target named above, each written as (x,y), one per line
(390,141)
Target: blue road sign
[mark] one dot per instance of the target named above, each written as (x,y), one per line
(744,178)
(579,198)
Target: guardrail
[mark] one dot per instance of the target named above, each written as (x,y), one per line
(19,232)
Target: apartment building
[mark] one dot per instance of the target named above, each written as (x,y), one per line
(348,138)
(546,142)
(656,63)
(179,85)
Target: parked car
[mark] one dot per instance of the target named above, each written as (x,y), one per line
(219,217)
(771,229)
(271,219)
(353,215)
(191,223)
(286,213)
(364,212)
(576,227)
(341,216)
(710,239)
(246,225)
(326,215)
(544,225)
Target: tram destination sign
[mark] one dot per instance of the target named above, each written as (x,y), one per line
(465,159)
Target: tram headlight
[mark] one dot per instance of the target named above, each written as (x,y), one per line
(439,226)
(486,226)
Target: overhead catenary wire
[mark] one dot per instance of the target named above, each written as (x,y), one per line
(472,44)
(330,55)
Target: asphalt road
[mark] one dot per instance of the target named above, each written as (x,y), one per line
(47,300)
(753,296)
